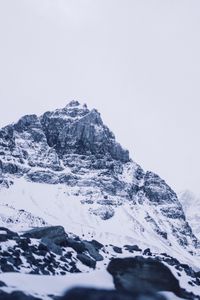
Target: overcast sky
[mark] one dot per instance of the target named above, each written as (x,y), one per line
(137,62)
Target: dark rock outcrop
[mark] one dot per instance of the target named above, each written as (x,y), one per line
(16,295)
(46,250)
(157,191)
(6,234)
(2,284)
(56,234)
(132,248)
(38,252)
(140,274)
(97,294)
(51,246)
(80,131)
(86,260)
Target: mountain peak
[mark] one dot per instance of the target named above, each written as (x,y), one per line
(72,149)
(73,110)
(76,129)
(73,129)
(73,103)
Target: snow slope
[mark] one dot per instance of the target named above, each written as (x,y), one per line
(59,205)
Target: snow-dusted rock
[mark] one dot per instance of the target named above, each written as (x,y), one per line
(66,168)
(191,207)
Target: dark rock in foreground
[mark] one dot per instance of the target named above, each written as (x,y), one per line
(141,274)
(6,234)
(46,250)
(95,294)
(136,278)
(16,295)
(2,284)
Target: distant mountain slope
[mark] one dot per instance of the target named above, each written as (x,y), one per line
(191,207)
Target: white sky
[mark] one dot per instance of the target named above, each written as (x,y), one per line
(137,62)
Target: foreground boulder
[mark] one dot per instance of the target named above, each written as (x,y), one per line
(141,274)
(16,295)
(96,294)
(6,234)
(56,234)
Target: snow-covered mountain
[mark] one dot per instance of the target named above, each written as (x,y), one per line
(66,168)
(191,207)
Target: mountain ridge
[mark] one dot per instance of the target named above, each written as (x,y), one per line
(74,151)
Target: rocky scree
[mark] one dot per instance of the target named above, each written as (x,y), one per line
(51,251)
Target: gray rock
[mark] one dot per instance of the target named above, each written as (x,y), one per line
(78,246)
(105,212)
(139,275)
(117,249)
(6,234)
(86,260)
(97,294)
(16,295)
(81,131)
(51,246)
(2,284)
(56,234)
(132,248)
(157,190)
(92,251)
(43,177)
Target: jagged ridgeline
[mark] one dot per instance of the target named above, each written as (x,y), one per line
(66,168)
(73,201)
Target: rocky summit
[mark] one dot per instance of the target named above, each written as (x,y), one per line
(72,199)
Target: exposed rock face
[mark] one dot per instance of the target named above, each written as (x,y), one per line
(157,191)
(72,147)
(24,145)
(80,131)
